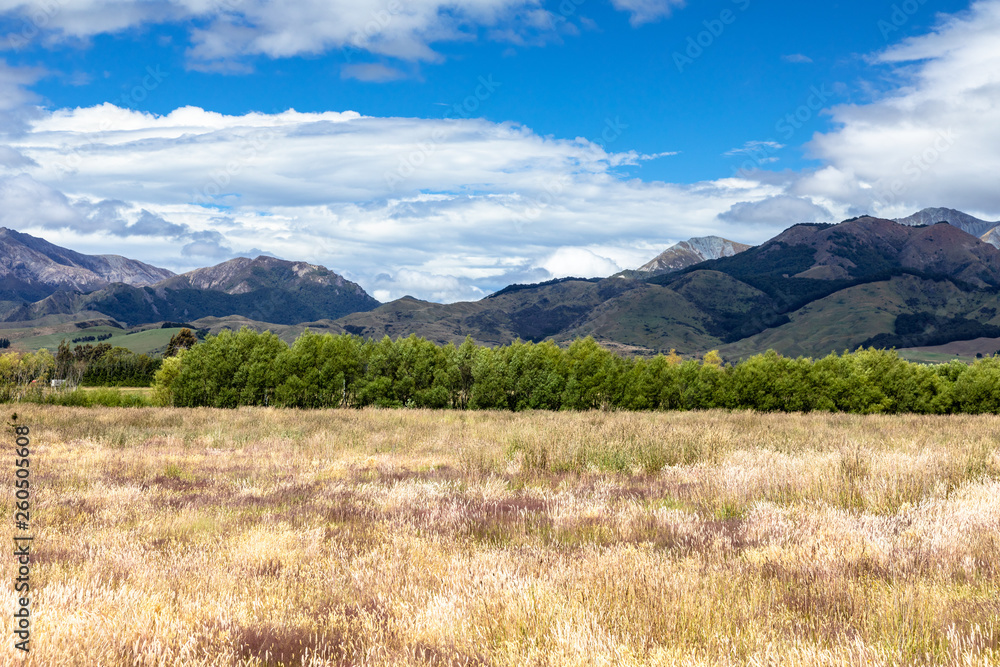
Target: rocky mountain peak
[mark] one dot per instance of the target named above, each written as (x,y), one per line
(40,268)
(694,250)
(963,221)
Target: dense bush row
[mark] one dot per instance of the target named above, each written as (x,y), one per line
(248,368)
(102,365)
(23,375)
(91,339)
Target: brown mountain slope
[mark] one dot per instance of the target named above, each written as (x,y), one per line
(32,268)
(964,221)
(242,275)
(868,245)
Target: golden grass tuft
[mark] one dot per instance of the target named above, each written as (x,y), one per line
(282,537)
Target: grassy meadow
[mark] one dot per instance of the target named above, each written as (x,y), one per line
(142,342)
(417,537)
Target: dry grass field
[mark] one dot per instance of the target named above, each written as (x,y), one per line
(279,537)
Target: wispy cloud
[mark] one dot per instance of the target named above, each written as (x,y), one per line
(755,148)
(647,11)
(223,33)
(372,72)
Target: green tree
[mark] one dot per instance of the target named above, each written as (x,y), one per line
(461,361)
(64,360)
(491,382)
(318,371)
(182,340)
(593,376)
(228,370)
(976,390)
(163,382)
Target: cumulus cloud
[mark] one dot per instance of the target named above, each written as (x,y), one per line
(579,263)
(208,245)
(932,140)
(450,209)
(647,11)
(782,211)
(426,285)
(27,204)
(24,202)
(150,224)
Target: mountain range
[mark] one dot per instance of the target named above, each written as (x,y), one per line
(963,221)
(39,279)
(813,289)
(32,268)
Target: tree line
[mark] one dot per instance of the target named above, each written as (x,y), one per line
(102,365)
(317,371)
(24,374)
(90,339)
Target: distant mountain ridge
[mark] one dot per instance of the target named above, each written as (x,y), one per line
(963,221)
(814,288)
(992,237)
(985,230)
(242,275)
(687,253)
(33,268)
(41,279)
(867,246)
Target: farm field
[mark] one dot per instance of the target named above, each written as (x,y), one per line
(963,350)
(143,342)
(919,356)
(418,537)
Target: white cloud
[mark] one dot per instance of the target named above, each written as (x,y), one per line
(16,97)
(12,159)
(579,263)
(453,209)
(932,142)
(372,72)
(796,58)
(428,285)
(755,148)
(647,11)
(223,31)
(778,211)
(24,202)
(449,209)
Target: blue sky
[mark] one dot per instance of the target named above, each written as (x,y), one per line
(491,141)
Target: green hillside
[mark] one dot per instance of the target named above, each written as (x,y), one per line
(151,341)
